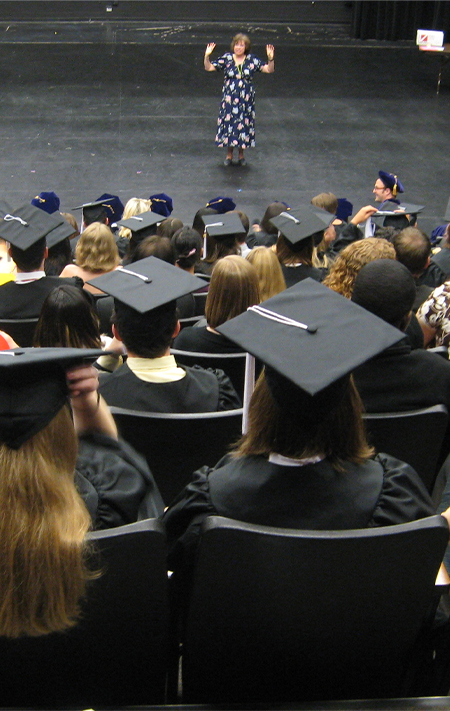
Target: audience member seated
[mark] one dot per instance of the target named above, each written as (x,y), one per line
(68,320)
(146,321)
(413,249)
(162,248)
(134,206)
(96,253)
(233,288)
(296,243)
(352,259)
(23,298)
(268,268)
(168,227)
(304,461)
(442,257)
(222,235)
(399,378)
(434,317)
(187,247)
(348,265)
(62,492)
(265,234)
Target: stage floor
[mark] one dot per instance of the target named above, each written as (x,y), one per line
(127,109)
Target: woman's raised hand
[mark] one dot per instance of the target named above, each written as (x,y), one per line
(210,47)
(270,49)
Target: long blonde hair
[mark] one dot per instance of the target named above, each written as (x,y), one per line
(44,522)
(268,269)
(134,206)
(352,259)
(96,249)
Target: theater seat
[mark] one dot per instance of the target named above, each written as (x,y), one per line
(117,654)
(277,615)
(176,444)
(20,329)
(414,436)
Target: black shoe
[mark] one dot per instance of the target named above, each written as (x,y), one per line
(242,162)
(227,161)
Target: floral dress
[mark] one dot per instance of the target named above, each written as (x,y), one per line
(236,122)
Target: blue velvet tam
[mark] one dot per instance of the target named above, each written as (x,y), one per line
(391,181)
(162,204)
(49,202)
(344,209)
(222,204)
(437,233)
(113,206)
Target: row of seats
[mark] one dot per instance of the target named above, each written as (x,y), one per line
(278,619)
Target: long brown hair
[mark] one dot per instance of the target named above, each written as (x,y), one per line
(68,320)
(44,522)
(233,288)
(340,435)
(301,254)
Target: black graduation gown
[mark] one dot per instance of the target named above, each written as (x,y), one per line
(201,340)
(25,300)
(380,492)
(115,482)
(201,390)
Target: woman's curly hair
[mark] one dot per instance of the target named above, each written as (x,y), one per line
(352,259)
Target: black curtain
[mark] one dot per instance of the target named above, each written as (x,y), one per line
(399,19)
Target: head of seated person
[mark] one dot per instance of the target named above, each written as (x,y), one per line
(352,259)
(187,246)
(146,335)
(96,250)
(233,288)
(68,320)
(44,525)
(300,253)
(272,210)
(387,289)
(30,259)
(327,201)
(154,246)
(413,249)
(168,227)
(270,275)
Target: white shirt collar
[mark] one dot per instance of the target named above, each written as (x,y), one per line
(24,277)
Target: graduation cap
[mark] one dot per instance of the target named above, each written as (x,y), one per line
(142,225)
(5,208)
(33,388)
(303,222)
(344,209)
(27,224)
(223,226)
(49,202)
(310,335)
(60,233)
(147,284)
(221,204)
(162,204)
(113,206)
(391,181)
(447,212)
(396,215)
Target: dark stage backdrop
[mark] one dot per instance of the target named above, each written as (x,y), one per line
(398,20)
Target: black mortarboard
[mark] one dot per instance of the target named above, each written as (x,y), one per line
(33,388)
(147,284)
(310,335)
(223,226)
(447,212)
(323,215)
(99,209)
(4,208)
(27,224)
(299,224)
(395,215)
(142,225)
(61,232)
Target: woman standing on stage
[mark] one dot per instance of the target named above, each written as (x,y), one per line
(236,122)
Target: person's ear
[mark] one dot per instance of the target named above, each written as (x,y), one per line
(116,333)
(177,330)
